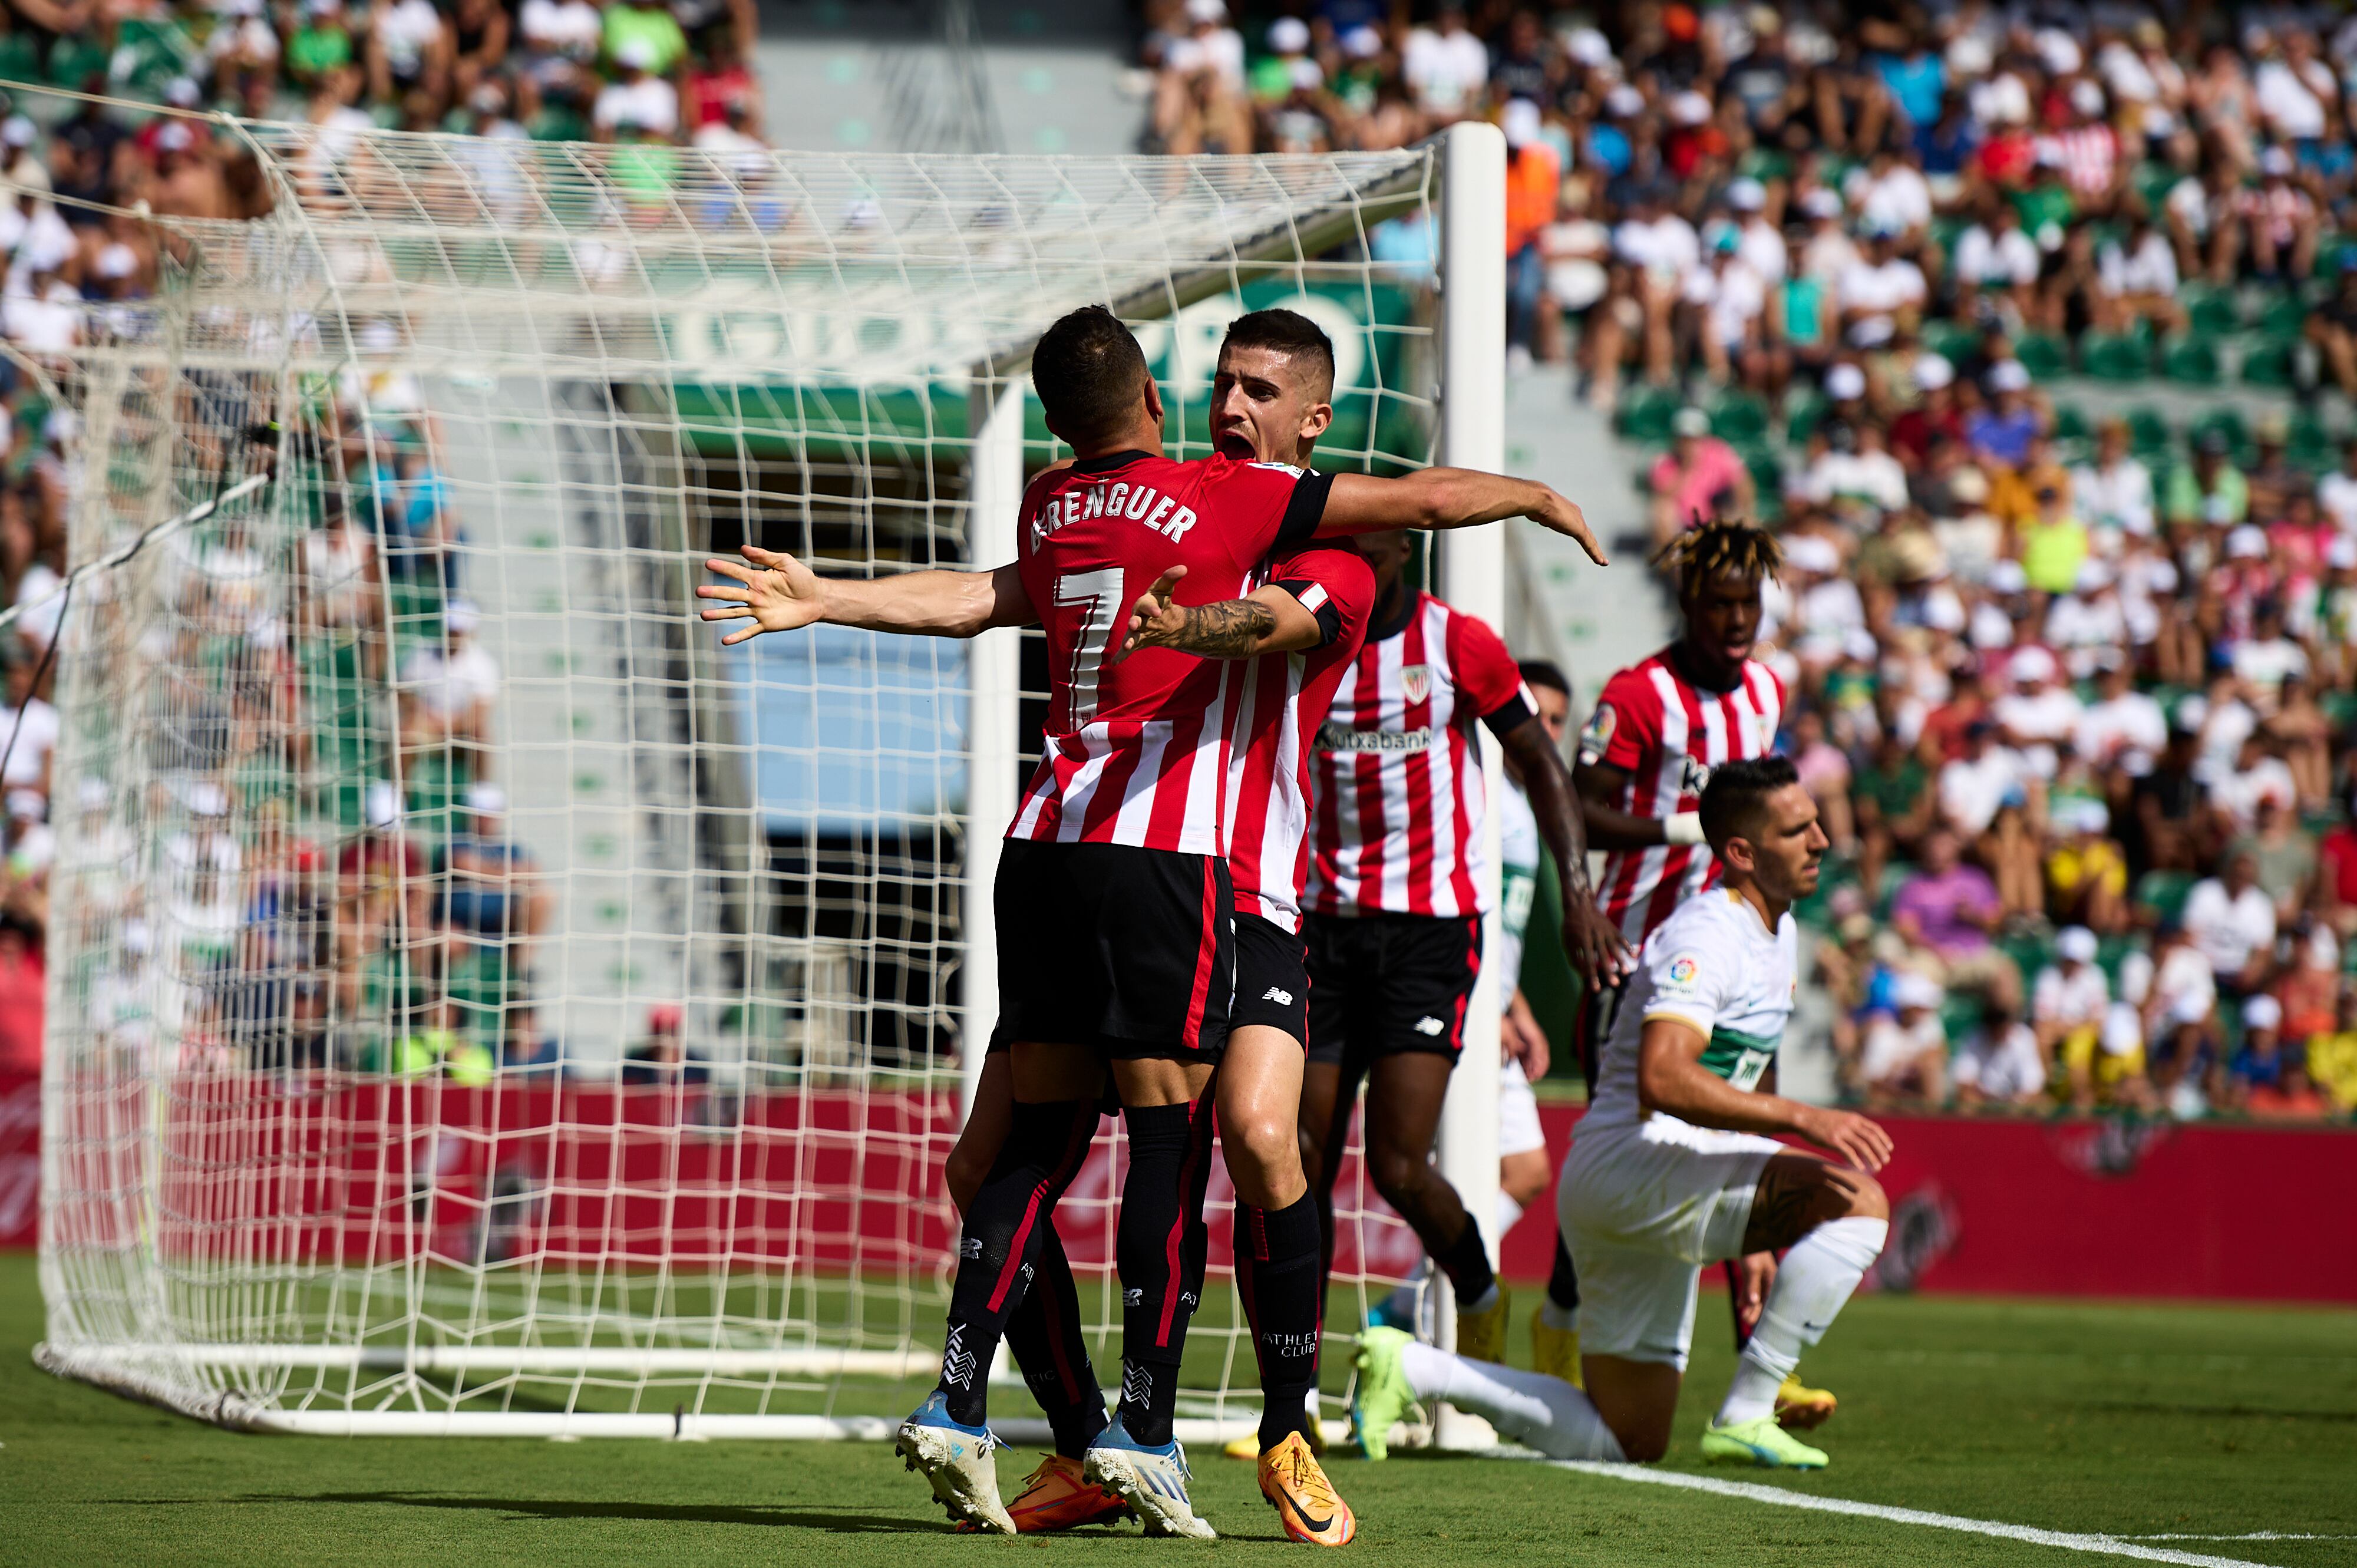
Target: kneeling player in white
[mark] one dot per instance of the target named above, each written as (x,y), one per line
(1668,1171)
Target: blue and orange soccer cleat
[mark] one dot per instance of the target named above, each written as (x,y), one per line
(957,1461)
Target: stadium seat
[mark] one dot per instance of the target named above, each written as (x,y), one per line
(2071,423)
(1740,417)
(2043,355)
(2115,356)
(2268,363)
(1646,412)
(2284,315)
(1767,475)
(2213,310)
(2148,433)
(2161,894)
(2312,446)
(2230,420)
(1954,340)
(1803,409)
(2193,360)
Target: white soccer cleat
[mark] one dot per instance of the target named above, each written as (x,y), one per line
(957,1461)
(1151,1480)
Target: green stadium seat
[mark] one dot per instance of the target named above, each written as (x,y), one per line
(2312,446)
(2284,315)
(1802,411)
(1954,340)
(1646,412)
(2116,357)
(2213,310)
(1767,475)
(2193,360)
(2160,895)
(2229,420)
(1740,417)
(2071,423)
(2043,355)
(2268,363)
(2148,432)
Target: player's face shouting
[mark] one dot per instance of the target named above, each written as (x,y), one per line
(1791,849)
(1265,408)
(1723,618)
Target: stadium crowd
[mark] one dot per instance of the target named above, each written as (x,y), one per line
(2076,694)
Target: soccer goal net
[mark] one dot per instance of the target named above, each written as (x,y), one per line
(478,1002)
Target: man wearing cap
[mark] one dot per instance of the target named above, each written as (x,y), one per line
(1933,417)
(637,99)
(1995,257)
(2054,542)
(2067,1008)
(1882,287)
(1533,188)
(2039,714)
(2212,493)
(1700,477)
(2272,479)
(2124,730)
(1904,1057)
(1759,243)
(446,691)
(1446,64)
(2000,433)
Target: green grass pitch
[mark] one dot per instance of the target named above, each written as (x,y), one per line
(2136,1422)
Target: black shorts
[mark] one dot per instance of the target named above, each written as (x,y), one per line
(1383,985)
(1128,951)
(1272,978)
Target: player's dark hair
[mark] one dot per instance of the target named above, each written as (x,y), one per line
(1721,546)
(1088,371)
(1732,801)
(1546,672)
(1290,333)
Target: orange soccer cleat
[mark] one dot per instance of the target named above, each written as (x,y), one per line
(1054,1497)
(1305,1500)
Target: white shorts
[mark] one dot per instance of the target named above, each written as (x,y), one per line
(1643,1208)
(1518,1112)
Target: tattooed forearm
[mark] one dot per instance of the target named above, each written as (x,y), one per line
(1232,628)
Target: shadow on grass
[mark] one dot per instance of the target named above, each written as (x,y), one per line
(837,1523)
(2222,1412)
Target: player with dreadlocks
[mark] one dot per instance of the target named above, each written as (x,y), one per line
(1658,730)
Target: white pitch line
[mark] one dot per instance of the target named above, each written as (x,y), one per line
(2247,1535)
(1751,1491)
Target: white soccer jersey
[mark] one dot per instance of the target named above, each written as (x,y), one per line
(1715,964)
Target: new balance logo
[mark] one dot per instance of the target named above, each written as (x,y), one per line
(1282,998)
(957,1361)
(1429,1026)
(1133,1298)
(969,1247)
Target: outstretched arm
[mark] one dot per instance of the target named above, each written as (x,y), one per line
(1609,827)
(778,592)
(1449,498)
(1594,944)
(1268,621)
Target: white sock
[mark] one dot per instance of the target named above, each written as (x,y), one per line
(1509,1211)
(1813,1281)
(1564,1318)
(1546,1413)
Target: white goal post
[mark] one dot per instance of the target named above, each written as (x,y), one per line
(477,1001)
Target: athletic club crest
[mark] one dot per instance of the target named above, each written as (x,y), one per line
(1416,682)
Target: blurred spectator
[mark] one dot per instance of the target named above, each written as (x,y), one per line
(2231,922)
(1951,909)
(1905,1056)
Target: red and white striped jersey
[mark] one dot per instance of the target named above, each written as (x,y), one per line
(1135,749)
(1399,793)
(1667,734)
(1283,697)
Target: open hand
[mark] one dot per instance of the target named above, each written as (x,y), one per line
(1598,951)
(774,591)
(1154,620)
(1562,515)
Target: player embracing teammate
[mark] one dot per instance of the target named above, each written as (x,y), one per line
(1115,877)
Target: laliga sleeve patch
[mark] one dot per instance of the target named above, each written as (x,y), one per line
(1597,735)
(1682,972)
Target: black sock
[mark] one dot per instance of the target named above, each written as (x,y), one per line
(1159,1248)
(1467,1264)
(1562,1280)
(1277,1257)
(1044,1334)
(1325,1202)
(999,1249)
(1735,1303)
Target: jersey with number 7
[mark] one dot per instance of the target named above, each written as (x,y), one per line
(1135,749)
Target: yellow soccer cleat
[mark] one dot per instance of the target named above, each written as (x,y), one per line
(1762,1442)
(1799,1409)
(1056,1497)
(1306,1502)
(1481,1336)
(1555,1352)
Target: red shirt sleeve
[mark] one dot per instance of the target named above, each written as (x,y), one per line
(1339,579)
(1478,663)
(1626,728)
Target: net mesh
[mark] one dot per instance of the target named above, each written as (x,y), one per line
(474,994)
